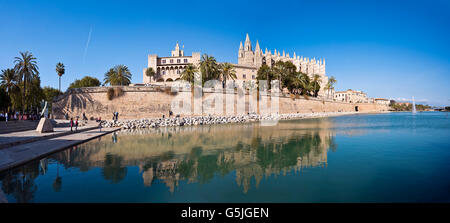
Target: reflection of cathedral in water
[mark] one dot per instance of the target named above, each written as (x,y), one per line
(198,154)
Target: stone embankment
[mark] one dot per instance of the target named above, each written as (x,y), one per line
(208,120)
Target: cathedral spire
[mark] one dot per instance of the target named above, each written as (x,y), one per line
(257,49)
(248,44)
(240,46)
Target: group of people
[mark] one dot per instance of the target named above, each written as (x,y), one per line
(6,116)
(73,124)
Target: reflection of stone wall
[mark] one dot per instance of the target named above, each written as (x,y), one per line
(145,102)
(189,154)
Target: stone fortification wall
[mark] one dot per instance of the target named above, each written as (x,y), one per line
(148,102)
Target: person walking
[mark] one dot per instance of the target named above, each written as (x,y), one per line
(100,123)
(76,125)
(71,124)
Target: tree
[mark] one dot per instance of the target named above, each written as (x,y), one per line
(209,68)
(189,73)
(330,85)
(315,84)
(118,75)
(86,81)
(265,73)
(149,72)
(36,94)
(227,71)
(4,99)
(60,70)
(285,72)
(302,83)
(27,69)
(49,94)
(9,80)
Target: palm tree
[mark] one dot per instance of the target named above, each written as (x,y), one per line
(189,73)
(27,69)
(118,75)
(330,85)
(9,80)
(316,84)
(209,68)
(60,70)
(302,81)
(227,71)
(149,72)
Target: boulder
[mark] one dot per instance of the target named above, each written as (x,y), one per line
(45,125)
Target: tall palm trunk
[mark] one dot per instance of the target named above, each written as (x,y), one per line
(60,83)
(24,94)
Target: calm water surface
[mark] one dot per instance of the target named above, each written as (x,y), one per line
(394,157)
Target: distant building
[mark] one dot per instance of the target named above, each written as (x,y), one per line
(249,61)
(169,69)
(351,96)
(403,103)
(382,101)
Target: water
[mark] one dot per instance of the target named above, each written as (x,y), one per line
(413,106)
(395,157)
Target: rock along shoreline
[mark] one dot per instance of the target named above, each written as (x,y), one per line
(210,120)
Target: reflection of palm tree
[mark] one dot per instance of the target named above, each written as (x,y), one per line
(113,169)
(58,180)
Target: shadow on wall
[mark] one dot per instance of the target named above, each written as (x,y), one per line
(76,99)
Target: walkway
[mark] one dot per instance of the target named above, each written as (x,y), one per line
(61,128)
(16,126)
(16,155)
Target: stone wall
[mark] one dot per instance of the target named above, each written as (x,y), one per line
(147,102)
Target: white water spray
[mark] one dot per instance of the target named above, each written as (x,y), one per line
(413,106)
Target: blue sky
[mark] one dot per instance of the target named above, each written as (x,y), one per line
(391,49)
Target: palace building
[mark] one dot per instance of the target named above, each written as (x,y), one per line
(351,96)
(169,69)
(249,61)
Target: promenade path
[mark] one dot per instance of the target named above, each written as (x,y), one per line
(60,128)
(17,126)
(17,148)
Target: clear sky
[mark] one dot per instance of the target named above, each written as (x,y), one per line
(391,49)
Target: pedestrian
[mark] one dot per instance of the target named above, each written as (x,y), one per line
(114,116)
(100,123)
(76,125)
(6,118)
(117,116)
(71,124)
